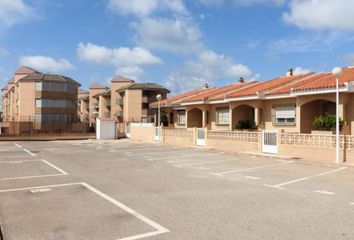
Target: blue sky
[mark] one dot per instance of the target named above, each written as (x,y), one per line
(179,43)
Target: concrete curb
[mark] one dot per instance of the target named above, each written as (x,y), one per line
(45,138)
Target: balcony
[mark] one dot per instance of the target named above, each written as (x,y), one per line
(119,101)
(95,114)
(107,114)
(95,105)
(119,113)
(107,103)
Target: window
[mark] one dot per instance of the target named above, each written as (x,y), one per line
(54,103)
(181,117)
(38,103)
(223,116)
(38,86)
(285,115)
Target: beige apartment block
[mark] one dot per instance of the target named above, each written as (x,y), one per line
(125,101)
(83,106)
(37,102)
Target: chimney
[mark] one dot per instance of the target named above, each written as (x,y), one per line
(242,80)
(289,72)
(206,86)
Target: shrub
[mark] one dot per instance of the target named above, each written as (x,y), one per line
(326,122)
(245,124)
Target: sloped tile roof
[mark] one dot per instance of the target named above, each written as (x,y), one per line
(302,82)
(177,99)
(122,79)
(265,87)
(97,85)
(25,70)
(329,80)
(222,94)
(214,92)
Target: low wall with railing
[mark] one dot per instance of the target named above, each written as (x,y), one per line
(178,136)
(234,141)
(316,147)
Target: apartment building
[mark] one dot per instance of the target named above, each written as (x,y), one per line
(37,102)
(83,106)
(288,103)
(124,101)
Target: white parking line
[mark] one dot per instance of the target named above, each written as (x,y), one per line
(253,178)
(352,203)
(250,169)
(16,156)
(324,192)
(18,145)
(280,185)
(159,229)
(62,172)
(29,152)
(197,163)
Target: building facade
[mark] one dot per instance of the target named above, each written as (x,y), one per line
(37,102)
(289,103)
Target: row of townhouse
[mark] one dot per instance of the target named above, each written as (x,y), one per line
(124,101)
(33,101)
(287,103)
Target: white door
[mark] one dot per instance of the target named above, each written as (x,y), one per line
(200,137)
(156,138)
(269,141)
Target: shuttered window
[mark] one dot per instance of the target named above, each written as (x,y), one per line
(223,116)
(285,115)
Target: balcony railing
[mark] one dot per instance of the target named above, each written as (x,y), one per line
(107,103)
(119,101)
(107,114)
(119,113)
(95,105)
(95,114)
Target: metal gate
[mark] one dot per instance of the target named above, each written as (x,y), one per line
(269,141)
(200,137)
(157,135)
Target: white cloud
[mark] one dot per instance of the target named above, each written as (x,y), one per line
(122,56)
(312,42)
(14,11)
(252,2)
(130,72)
(211,2)
(336,15)
(300,70)
(143,8)
(170,35)
(208,67)
(46,64)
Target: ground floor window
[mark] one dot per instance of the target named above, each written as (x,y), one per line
(285,115)
(181,117)
(222,116)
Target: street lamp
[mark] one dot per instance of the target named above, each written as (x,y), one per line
(337,72)
(158,98)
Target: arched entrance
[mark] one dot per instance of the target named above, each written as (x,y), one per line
(313,109)
(242,112)
(195,118)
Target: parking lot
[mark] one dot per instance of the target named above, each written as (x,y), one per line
(129,190)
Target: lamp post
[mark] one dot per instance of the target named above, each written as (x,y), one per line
(337,72)
(158,98)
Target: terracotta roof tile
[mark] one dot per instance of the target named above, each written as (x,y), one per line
(229,91)
(264,87)
(177,99)
(214,92)
(329,80)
